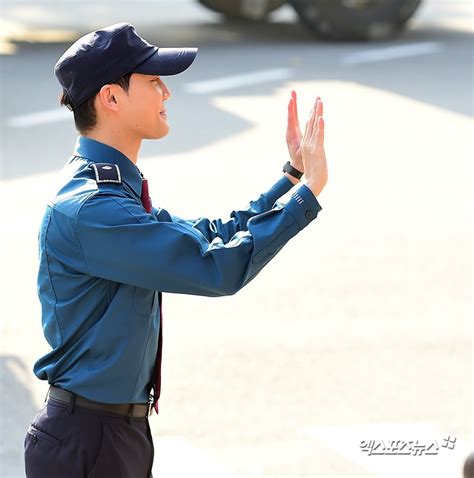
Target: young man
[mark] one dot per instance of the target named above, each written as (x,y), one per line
(106,256)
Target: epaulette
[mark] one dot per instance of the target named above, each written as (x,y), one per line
(106,173)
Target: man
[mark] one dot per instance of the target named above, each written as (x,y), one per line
(106,256)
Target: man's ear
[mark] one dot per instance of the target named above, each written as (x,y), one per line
(107,98)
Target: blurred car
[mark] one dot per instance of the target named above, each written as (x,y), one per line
(348,20)
(329,19)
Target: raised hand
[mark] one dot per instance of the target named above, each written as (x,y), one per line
(293,134)
(312,150)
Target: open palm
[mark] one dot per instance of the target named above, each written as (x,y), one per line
(293,133)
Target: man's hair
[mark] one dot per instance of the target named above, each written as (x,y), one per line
(85,116)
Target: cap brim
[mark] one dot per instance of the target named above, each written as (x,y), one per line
(167,61)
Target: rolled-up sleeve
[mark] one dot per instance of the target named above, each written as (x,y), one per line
(120,242)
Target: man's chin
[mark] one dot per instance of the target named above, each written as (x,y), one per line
(160,134)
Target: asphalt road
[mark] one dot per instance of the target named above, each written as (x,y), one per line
(360,328)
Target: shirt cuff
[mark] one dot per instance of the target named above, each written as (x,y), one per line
(279,189)
(301,204)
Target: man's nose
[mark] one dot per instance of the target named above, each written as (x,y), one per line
(166,92)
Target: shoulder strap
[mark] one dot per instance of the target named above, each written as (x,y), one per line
(106,173)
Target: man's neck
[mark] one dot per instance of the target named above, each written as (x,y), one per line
(128,146)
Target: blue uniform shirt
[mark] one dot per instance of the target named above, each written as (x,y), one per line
(102,259)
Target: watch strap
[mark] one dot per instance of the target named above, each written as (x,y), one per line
(288,168)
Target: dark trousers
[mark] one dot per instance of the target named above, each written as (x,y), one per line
(73,442)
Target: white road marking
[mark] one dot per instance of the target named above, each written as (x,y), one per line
(41,117)
(175,457)
(392,53)
(346,442)
(235,81)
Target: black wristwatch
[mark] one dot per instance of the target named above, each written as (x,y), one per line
(288,168)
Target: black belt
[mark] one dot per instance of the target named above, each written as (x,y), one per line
(125,409)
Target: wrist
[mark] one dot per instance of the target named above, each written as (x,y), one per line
(292,178)
(313,187)
(292,171)
(297,165)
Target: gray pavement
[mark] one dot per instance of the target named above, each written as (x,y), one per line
(378,344)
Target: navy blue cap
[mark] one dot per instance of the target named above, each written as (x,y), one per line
(104,56)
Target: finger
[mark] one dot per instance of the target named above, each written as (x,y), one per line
(310,127)
(307,129)
(313,119)
(318,116)
(320,131)
(295,108)
(291,118)
(319,107)
(291,107)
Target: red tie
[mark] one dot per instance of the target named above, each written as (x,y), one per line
(146,201)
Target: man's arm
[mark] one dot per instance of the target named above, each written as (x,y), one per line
(213,228)
(120,242)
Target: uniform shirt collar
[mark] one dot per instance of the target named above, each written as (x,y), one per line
(98,152)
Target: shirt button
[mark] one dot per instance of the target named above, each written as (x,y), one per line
(34,439)
(309,214)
